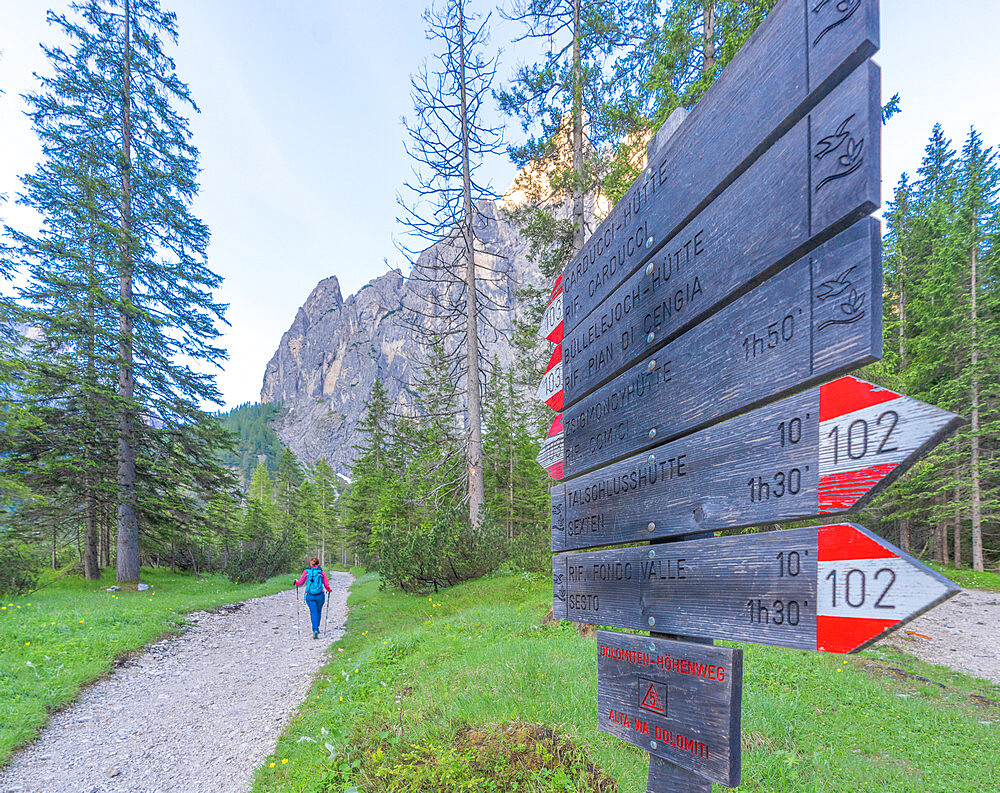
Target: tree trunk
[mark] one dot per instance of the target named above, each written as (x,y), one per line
(91,559)
(128,525)
(105,539)
(53,547)
(579,228)
(902,327)
(904,534)
(708,34)
(977,505)
(474,441)
(957,528)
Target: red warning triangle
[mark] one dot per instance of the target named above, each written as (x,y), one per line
(652,700)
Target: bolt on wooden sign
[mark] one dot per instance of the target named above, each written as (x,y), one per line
(702,337)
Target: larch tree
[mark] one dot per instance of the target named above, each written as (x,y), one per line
(448,141)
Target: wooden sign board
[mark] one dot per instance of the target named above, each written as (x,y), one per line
(821,452)
(799,53)
(666,777)
(820,177)
(676,700)
(815,319)
(830,588)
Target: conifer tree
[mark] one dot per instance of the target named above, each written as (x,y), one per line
(370,470)
(127,96)
(327,493)
(976,230)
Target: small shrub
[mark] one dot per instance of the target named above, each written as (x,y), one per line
(268,552)
(441,553)
(532,758)
(18,568)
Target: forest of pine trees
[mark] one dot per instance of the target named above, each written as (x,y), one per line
(108,457)
(941,312)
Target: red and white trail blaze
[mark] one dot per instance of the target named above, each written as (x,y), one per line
(866,587)
(552,319)
(856,419)
(550,457)
(550,390)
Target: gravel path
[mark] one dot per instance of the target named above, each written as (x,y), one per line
(963,633)
(193,714)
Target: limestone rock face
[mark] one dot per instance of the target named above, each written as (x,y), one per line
(328,359)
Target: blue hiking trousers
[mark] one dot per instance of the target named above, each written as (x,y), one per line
(315,603)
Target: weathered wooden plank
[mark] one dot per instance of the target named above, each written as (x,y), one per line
(676,700)
(796,195)
(823,451)
(831,588)
(666,777)
(817,318)
(779,75)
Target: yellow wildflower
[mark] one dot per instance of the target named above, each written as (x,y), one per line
(27,644)
(270,765)
(284,760)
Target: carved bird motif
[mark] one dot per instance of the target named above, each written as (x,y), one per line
(836,286)
(833,142)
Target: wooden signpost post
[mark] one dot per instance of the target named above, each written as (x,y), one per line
(699,337)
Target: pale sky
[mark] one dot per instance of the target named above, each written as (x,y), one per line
(302,147)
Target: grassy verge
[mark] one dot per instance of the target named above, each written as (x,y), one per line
(414,681)
(965,577)
(68,633)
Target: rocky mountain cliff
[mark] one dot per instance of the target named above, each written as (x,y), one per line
(329,358)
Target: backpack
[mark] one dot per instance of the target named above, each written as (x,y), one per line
(314,580)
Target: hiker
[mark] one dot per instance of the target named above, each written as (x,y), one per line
(315,580)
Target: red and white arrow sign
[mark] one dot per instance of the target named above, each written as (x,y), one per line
(550,457)
(552,320)
(867,587)
(860,423)
(831,588)
(550,390)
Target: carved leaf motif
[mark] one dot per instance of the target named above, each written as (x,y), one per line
(845,8)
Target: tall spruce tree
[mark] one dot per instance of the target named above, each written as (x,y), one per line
(370,470)
(123,95)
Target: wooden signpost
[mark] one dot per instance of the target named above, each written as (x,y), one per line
(830,588)
(677,700)
(795,196)
(821,452)
(739,269)
(801,52)
(811,321)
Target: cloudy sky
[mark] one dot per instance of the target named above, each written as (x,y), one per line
(301,140)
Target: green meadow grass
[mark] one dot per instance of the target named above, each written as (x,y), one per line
(69,632)
(412,673)
(966,577)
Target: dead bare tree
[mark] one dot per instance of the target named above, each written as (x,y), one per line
(448,141)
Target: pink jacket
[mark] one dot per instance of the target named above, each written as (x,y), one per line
(305,572)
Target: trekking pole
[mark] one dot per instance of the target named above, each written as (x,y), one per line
(298,630)
(326,617)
